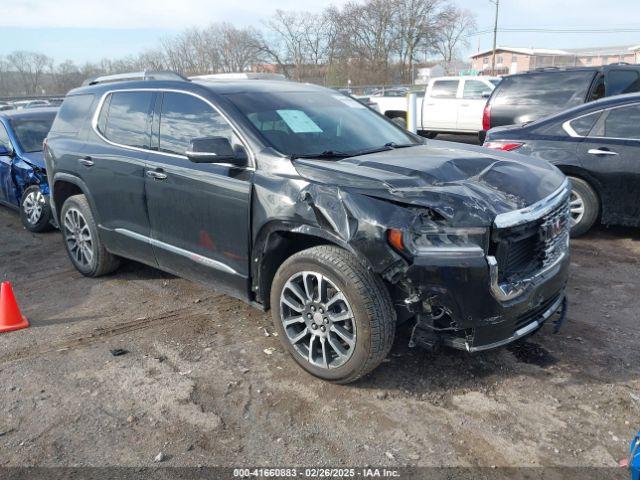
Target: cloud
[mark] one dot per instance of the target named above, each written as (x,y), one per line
(164,14)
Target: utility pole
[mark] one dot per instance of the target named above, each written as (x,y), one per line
(495,37)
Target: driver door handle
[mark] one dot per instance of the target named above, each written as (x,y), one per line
(600,151)
(156,174)
(86,161)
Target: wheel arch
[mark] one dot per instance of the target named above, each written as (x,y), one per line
(64,186)
(276,242)
(395,114)
(572,171)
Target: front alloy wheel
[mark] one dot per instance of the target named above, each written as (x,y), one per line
(317,319)
(332,313)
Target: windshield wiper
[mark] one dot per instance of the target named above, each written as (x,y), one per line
(325,154)
(400,145)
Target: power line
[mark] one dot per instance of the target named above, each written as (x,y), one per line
(556,30)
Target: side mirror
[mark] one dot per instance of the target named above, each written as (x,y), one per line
(486,94)
(5,150)
(213,150)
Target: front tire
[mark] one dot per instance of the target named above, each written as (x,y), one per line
(35,210)
(332,314)
(428,134)
(80,234)
(584,207)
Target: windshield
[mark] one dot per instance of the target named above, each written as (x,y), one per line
(31,132)
(318,123)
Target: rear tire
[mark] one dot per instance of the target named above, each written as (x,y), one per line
(35,210)
(80,234)
(584,205)
(346,342)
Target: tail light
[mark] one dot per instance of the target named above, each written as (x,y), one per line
(504,146)
(486,117)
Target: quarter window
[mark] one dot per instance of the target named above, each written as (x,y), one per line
(623,81)
(73,114)
(474,89)
(583,125)
(444,89)
(623,122)
(127,118)
(184,118)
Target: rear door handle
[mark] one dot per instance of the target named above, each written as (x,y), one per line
(156,174)
(86,161)
(599,151)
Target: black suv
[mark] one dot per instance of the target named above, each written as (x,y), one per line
(301,199)
(526,97)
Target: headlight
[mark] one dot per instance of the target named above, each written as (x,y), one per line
(439,239)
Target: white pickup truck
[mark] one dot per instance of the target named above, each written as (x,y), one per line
(449,105)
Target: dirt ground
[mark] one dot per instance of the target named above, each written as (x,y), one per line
(198,385)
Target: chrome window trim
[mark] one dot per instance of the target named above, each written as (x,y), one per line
(534,211)
(566,126)
(96,115)
(196,257)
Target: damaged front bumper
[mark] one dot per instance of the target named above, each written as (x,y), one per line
(465,302)
(459,308)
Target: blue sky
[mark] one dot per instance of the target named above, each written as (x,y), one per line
(88,30)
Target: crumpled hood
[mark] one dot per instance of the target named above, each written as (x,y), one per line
(466,184)
(34,158)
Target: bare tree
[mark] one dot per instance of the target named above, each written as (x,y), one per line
(66,76)
(30,67)
(456,24)
(417,22)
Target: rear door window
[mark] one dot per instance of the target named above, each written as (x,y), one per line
(553,89)
(622,81)
(623,122)
(444,89)
(73,114)
(127,118)
(473,89)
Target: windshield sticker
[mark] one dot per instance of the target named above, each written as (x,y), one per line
(349,102)
(298,121)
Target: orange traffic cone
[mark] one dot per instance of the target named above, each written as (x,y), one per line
(10,316)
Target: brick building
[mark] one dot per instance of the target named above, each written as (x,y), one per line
(514,59)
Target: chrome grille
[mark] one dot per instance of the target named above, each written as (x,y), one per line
(526,249)
(554,233)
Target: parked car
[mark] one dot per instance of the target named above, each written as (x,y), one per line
(598,146)
(525,97)
(23,180)
(448,105)
(300,199)
(21,104)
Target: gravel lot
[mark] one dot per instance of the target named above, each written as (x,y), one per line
(206,383)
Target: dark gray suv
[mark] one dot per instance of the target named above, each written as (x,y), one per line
(301,199)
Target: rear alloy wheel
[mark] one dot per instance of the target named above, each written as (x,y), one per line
(35,211)
(584,207)
(80,234)
(333,315)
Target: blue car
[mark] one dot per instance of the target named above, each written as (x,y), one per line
(23,180)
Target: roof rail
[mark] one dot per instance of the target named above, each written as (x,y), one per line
(144,75)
